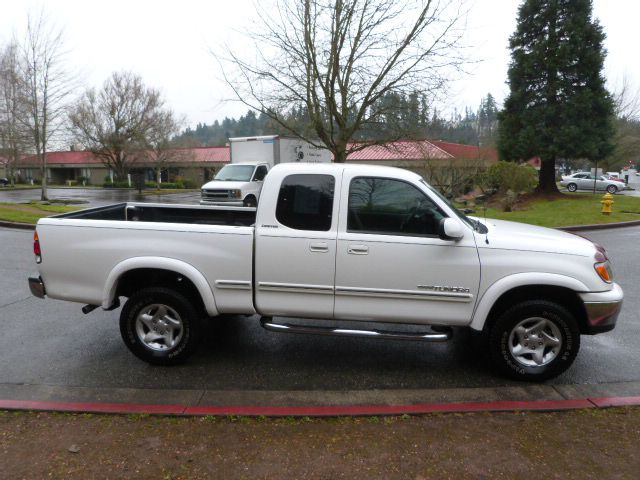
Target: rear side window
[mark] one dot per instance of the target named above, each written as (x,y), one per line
(305,202)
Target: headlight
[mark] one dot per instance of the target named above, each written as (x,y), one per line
(235,194)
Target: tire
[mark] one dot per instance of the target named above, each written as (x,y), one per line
(176,322)
(572,187)
(250,202)
(612,189)
(534,341)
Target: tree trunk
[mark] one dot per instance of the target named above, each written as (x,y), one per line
(547,177)
(339,155)
(43,192)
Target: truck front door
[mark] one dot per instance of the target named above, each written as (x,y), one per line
(391,265)
(296,248)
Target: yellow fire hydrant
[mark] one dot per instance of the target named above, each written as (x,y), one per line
(607,204)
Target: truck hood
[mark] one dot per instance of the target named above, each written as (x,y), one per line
(520,236)
(222,185)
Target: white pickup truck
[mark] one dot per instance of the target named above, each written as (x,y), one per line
(333,242)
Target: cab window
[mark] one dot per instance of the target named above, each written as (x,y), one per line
(261,172)
(305,202)
(391,207)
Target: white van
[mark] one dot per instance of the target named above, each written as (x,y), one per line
(240,182)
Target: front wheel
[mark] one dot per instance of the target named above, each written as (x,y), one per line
(612,189)
(160,326)
(534,340)
(572,187)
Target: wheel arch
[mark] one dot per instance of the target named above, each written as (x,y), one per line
(250,196)
(140,272)
(522,287)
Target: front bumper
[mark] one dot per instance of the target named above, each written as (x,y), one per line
(602,309)
(36,285)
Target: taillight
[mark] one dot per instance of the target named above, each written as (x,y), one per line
(36,247)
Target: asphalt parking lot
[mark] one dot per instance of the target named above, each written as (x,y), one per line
(89,197)
(48,342)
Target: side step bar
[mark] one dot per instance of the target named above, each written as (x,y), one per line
(429,336)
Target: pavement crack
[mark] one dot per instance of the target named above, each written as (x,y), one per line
(14,302)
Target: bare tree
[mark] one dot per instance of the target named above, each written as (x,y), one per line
(13,141)
(338,59)
(626,124)
(453,177)
(47,87)
(160,151)
(118,122)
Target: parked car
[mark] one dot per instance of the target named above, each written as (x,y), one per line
(585,181)
(4,182)
(334,242)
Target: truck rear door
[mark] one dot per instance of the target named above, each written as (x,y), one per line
(295,243)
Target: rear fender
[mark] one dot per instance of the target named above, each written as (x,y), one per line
(170,264)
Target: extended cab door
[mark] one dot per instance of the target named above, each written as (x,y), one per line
(296,243)
(391,265)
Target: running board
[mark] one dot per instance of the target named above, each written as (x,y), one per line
(430,336)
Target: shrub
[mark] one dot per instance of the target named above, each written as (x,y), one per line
(510,179)
(504,176)
(117,184)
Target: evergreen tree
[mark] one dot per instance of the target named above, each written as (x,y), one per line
(487,121)
(558,106)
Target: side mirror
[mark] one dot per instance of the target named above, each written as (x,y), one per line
(450,229)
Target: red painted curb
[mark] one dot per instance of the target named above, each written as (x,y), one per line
(391,409)
(536,405)
(604,402)
(91,407)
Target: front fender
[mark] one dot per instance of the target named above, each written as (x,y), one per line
(497,289)
(161,263)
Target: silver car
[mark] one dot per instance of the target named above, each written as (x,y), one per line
(585,181)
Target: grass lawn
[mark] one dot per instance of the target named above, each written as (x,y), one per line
(570,209)
(30,212)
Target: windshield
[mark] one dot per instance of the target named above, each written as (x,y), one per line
(235,173)
(476,225)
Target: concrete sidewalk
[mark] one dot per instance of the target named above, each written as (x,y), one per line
(316,403)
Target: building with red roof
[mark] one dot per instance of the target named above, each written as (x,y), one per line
(200,164)
(196,164)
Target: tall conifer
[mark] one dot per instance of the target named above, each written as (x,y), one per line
(558,106)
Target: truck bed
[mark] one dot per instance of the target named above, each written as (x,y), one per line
(157,212)
(80,250)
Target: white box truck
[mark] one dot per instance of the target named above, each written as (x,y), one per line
(240,182)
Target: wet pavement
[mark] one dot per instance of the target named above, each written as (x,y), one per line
(97,197)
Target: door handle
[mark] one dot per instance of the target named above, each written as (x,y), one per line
(321,247)
(358,249)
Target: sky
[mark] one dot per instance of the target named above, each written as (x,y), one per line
(169,44)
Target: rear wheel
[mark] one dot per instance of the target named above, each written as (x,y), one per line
(160,326)
(534,340)
(612,188)
(572,187)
